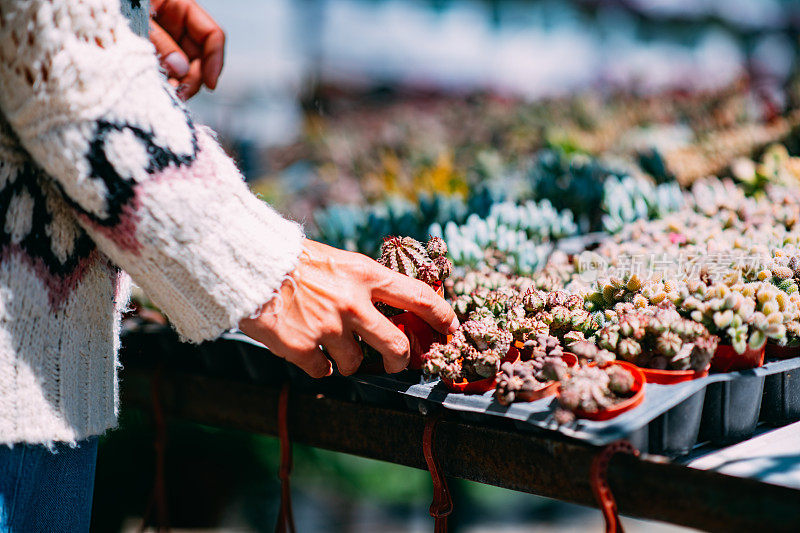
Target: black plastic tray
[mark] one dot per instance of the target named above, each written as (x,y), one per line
(721,408)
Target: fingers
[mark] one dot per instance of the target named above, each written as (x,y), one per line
(190,84)
(312,362)
(377,331)
(303,352)
(346,352)
(213,55)
(172,58)
(413,295)
(186,20)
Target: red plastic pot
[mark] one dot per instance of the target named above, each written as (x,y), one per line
(551,388)
(776,351)
(726,359)
(482,385)
(438,286)
(548,390)
(470,387)
(670,377)
(570,359)
(625,405)
(420,336)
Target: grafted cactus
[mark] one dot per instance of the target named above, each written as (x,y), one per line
(404,255)
(408,256)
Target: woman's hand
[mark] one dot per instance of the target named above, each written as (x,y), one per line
(190,44)
(330,299)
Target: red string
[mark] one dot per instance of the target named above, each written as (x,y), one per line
(442,504)
(601,489)
(285,521)
(158,496)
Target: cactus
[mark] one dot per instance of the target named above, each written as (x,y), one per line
(409,257)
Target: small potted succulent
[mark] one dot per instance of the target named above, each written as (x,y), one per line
(596,392)
(744,315)
(785,272)
(427,263)
(542,366)
(562,311)
(521,382)
(588,352)
(667,347)
(470,359)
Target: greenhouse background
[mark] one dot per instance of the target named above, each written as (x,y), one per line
(500,124)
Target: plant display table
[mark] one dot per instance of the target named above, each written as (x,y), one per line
(234,384)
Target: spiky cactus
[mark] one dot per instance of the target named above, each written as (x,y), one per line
(408,256)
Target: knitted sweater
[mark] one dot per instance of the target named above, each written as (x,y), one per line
(102,169)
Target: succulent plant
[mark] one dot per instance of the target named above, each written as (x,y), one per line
(589,351)
(594,388)
(518,381)
(659,338)
(541,364)
(574,182)
(636,197)
(511,237)
(542,346)
(408,256)
(473,352)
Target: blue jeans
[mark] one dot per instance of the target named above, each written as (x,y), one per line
(47,491)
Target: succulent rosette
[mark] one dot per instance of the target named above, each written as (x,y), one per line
(658,337)
(473,352)
(593,388)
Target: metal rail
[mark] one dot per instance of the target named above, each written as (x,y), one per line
(492,454)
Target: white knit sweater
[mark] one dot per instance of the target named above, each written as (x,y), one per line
(102,168)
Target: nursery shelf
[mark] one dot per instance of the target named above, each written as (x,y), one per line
(709,493)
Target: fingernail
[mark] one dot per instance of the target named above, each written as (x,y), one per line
(177,64)
(453,326)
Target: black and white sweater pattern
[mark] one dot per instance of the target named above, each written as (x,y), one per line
(103,171)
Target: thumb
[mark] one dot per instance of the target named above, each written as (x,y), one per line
(170,54)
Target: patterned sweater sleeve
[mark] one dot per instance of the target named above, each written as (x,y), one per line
(155,191)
